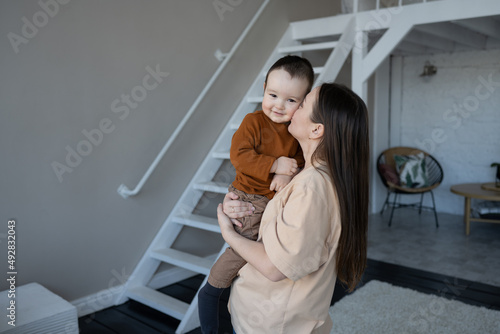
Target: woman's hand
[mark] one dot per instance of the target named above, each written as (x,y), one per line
(225,223)
(252,251)
(233,208)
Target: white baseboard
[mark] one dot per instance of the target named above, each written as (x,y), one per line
(106,298)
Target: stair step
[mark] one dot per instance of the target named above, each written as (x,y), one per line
(197,221)
(158,301)
(184,260)
(254,99)
(215,187)
(234,126)
(221,155)
(317,70)
(307,47)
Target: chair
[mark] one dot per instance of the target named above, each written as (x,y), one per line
(389,174)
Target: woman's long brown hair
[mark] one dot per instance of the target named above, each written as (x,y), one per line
(345,149)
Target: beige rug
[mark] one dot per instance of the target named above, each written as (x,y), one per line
(380,307)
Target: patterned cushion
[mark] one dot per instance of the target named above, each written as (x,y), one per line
(412,170)
(389,173)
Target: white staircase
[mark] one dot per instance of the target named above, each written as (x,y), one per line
(337,47)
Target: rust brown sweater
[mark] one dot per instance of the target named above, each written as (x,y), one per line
(255,146)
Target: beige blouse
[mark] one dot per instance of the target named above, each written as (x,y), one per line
(300,230)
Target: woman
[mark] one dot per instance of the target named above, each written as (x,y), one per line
(312,231)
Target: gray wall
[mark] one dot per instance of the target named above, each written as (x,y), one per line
(75,234)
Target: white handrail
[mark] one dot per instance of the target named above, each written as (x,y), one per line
(123,190)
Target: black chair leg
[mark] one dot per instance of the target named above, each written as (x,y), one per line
(421,200)
(385,203)
(434,208)
(393,207)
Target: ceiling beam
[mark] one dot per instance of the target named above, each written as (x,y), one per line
(409,47)
(400,22)
(485,25)
(428,12)
(385,45)
(435,42)
(455,33)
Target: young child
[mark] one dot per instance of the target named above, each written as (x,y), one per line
(265,157)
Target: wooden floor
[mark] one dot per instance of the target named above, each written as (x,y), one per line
(132,317)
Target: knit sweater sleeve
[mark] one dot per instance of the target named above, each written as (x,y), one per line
(244,150)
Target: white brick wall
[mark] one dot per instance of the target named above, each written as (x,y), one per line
(454,115)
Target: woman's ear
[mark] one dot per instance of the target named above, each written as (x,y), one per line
(317,131)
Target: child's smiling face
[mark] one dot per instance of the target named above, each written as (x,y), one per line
(282,95)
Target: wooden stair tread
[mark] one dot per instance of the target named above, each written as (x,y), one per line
(255,99)
(307,47)
(198,221)
(158,301)
(184,260)
(216,187)
(221,155)
(316,69)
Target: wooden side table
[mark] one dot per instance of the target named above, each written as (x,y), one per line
(490,186)
(474,190)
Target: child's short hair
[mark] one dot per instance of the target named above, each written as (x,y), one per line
(297,67)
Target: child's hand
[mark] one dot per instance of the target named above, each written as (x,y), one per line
(284,166)
(279,182)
